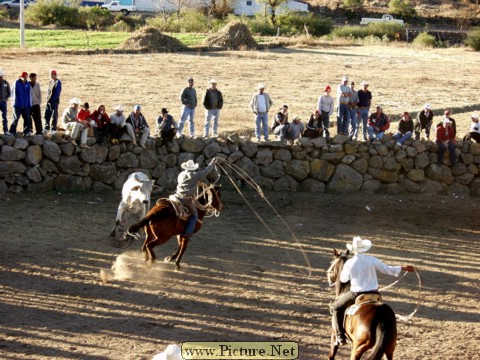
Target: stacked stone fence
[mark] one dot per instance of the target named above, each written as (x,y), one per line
(313,165)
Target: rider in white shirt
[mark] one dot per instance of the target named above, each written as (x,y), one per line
(361,271)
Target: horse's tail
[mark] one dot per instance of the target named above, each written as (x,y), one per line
(155,212)
(385,333)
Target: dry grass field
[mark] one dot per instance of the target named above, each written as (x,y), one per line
(401,78)
(240,282)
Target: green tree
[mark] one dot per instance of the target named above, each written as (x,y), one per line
(402,8)
(273,5)
(353,5)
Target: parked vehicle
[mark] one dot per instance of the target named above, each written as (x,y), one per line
(385,18)
(116,6)
(14,4)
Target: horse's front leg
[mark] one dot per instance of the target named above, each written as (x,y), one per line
(175,254)
(333,347)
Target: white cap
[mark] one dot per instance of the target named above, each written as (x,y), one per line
(172,352)
(119,108)
(212,81)
(261,86)
(363,83)
(428,106)
(137,107)
(475,116)
(2,73)
(75,101)
(345,78)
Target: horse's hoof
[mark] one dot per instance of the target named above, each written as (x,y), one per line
(168,259)
(177,267)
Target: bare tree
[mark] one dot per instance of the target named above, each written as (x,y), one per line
(273,5)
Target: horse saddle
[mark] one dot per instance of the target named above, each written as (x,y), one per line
(180,210)
(362,300)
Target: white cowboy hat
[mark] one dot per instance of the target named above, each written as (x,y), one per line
(359,245)
(75,101)
(119,108)
(189,165)
(172,352)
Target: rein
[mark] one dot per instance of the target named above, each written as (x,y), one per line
(249,181)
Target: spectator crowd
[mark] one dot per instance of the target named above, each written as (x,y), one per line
(353,112)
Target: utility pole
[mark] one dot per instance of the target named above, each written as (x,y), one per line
(22,24)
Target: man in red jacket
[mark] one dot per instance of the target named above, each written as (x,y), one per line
(378,123)
(446,138)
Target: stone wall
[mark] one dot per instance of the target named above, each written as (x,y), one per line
(43,164)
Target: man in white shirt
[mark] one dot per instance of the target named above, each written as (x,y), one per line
(361,271)
(260,104)
(344,92)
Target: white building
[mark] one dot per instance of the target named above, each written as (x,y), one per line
(252,7)
(240,7)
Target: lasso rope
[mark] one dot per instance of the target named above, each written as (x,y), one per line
(205,191)
(409,316)
(244,176)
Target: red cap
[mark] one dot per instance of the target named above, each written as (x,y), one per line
(24,74)
(327,88)
(53,72)
(447,112)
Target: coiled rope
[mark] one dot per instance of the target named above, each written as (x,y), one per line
(249,181)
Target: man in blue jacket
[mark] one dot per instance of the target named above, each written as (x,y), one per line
(22,103)
(53,100)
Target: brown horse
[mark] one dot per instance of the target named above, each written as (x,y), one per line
(372,327)
(161,223)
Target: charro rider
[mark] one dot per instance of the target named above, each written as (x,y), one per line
(361,272)
(188,181)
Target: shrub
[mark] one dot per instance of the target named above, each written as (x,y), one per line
(473,39)
(294,23)
(379,29)
(401,8)
(185,21)
(47,12)
(260,25)
(425,39)
(94,17)
(353,5)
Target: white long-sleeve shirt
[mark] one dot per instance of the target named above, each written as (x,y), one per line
(361,270)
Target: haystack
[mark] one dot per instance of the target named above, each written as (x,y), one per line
(235,35)
(149,38)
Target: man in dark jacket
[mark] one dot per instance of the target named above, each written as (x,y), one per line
(53,100)
(378,123)
(424,121)
(5,93)
(213,103)
(188,98)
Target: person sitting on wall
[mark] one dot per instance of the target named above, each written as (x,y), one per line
(166,127)
(474,129)
(314,126)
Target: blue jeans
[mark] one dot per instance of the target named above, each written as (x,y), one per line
(352,115)
(441,151)
(3,110)
(372,133)
(51,112)
(402,137)
(326,122)
(261,120)
(281,132)
(25,113)
(210,115)
(187,113)
(364,118)
(342,119)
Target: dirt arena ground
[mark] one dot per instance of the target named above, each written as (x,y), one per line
(239,282)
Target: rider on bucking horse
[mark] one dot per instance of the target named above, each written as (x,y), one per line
(187,184)
(361,272)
